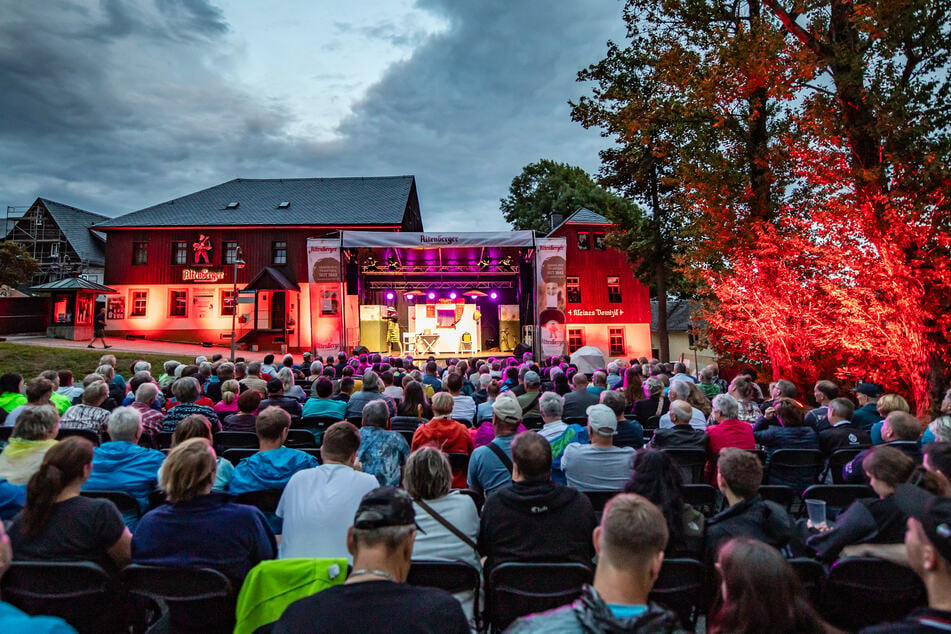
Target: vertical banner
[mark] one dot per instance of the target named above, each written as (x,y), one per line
(326,313)
(550,294)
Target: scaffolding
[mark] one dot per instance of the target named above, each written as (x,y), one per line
(37,232)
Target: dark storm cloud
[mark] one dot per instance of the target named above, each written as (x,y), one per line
(131,103)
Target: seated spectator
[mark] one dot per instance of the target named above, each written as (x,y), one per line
(215,385)
(322,403)
(779,390)
(122,465)
(937,460)
(444,433)
(518,521)
(230,390)
(345,388)
(680,435)
(276,398)
(928,545)
(708,386)
(89,414)
(427,478)
(699,402)
(887,404)
(254,381)
(66,387)
(318,503)
(630,544)
(34,434)
(138,380)
(38,393)
(58,524)
(599,466)
(760,592)
(291,389)
(867,394)
(939,429)
(145,397)
(382,453)
(463,407)
(491,465)
(745,391)
(528,400)
(680,391)
(824,392)
(196,426)
(484,409)
(187,391)
(632,389)
(873,520)
(114,382)
(727,430)
(599,383)
(369,392)
(558,433)
(395,392)
(414,402)
(560,385)
(245,419)
(839,432)
(481,395)
(782,427)
(376,597)
(268,368)
(901,431)
(629,432)
(577,402)
(656,403)
(657,478)
(199,528)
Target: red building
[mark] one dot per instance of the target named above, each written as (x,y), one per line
(605,306)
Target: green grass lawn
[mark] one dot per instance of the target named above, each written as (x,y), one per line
(29,361)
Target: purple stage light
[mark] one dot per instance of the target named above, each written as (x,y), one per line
(493,295)
(431,295)
(452,295)
(390,295)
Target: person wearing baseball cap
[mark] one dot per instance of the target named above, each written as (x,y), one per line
(599,466)
(529,398)
(490,466)
(928,545)
(866,395)
(375,597)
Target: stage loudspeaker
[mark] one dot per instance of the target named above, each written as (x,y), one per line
(352,273)
(521,349)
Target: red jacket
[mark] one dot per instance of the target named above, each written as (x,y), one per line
(728,433)
(448,436)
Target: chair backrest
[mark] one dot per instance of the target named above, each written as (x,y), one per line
(198,599)
(88,434)
(576,420)
(477,497)
(516,589)
(864,591)
(702,497)
(837,496)
(797,467)
(79,592)
(839,459)
(781,494)
(356,421)
(811,575)
(266,500)
(314,422)
(452,576)
(459,462)
(234,456)
(123,501)
(533,422)
(691,463)
(407,436)
(300,439)
(401,423)
(5,431)
(236,440)
(163,440)
(652,423)
(679,587)
(600,499)
(310,451)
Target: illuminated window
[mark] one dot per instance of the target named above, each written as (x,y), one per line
(229,252)
(574,290)
(599,241)
(583,241)
(575,339)
(139,302)
(178,304)
(140,253)
(616,343)
(227,302)
(279,252)
(614,290)
(179,253)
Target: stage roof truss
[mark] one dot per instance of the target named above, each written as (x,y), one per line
(403,286)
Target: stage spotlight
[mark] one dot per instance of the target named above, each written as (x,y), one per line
(409,297)
(493,295)
(452,295)
(431,295)
(390,295)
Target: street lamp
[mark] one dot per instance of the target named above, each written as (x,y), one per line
(234,295)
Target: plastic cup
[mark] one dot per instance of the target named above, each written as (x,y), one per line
(817,511)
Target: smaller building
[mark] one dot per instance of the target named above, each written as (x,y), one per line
(72,307)
(683,344)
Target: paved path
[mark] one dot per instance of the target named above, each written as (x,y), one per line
(141,345)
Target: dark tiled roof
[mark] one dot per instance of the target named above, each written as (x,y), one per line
(71,284)
(678,315)
(582,216)
(271,279)
(75,224)
(313,202)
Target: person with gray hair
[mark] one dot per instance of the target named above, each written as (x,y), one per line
(142,366)
(89,414)
(122,465)
(726,430)
(370,392)
(169,377)
(558,433)
(187,390)
(940,428)
(382,453)
(614,374)
(145,397)
(655,405)
(32,436)
(680,435)
(680,391)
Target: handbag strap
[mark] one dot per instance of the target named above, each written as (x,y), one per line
(506,461)
(449,525)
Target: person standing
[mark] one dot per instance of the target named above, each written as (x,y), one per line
(99,328)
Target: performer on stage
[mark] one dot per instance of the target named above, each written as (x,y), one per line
(393,335)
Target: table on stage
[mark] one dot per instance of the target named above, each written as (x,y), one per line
(425,343)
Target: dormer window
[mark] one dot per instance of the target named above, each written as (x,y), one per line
(232,205)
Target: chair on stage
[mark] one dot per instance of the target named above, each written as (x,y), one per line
(465,343)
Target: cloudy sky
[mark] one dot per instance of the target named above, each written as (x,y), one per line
(114,105)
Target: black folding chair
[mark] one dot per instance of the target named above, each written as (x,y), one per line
(811,575)
(864,591)
(780,494)
(837,497)
(838,460)
(799,468)
(236,440)
(576,420)
(702,497)
(600,499)
(517,589)
(407,436)
(313,452)
(679,587)
(356,421)
(126,504)
(195,599)
(163,440)
(690,462)
(79,592)
(300,439)
(266,500)
(88,434)
(401,423)
(234,456)
(452,576)
(652,423)
(533,422)
(314,422)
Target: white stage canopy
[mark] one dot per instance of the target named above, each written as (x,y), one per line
(411,240)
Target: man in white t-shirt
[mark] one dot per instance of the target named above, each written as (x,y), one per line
(318,504)
(599,466)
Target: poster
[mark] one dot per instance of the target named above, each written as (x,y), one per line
(115,308)
(551,294)
(323,275)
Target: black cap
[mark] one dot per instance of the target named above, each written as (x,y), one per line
(932,511)
(385,506)
(275,386)
(868,389)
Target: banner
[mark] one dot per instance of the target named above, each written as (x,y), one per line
(550,295)
(323,275)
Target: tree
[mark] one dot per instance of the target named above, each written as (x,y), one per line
(17,266)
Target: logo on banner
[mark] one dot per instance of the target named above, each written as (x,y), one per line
(437,239)
(202,275)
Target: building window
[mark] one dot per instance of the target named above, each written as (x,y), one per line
(575,339)
(139,303)
(583,241)
(229,252)
(227,303)
(140,253)
(614,290)
(178,304)
(279,252)
(616,342)
(574,289)
(599,244)
(179,253)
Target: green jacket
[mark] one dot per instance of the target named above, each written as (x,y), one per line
(11,400)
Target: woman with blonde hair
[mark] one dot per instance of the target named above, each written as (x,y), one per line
(887,403)
(230,390)
(196,426)
(743,390)
(33,435)
(286,377)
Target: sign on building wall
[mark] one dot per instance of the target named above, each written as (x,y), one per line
(550,294)
(323,266)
